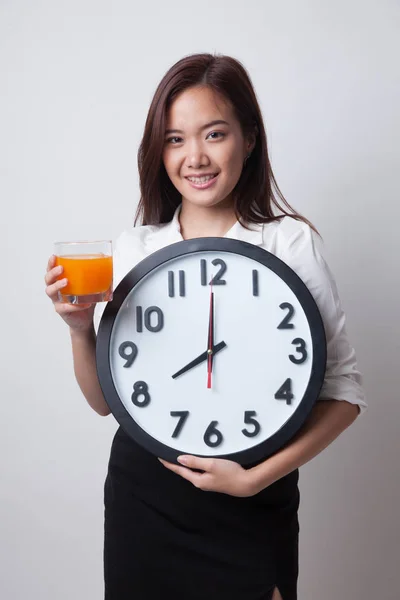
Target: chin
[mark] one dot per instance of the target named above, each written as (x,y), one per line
(206,202)
(204,199)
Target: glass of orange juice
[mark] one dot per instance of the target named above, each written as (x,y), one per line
(88,266)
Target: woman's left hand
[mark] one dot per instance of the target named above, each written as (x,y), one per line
(219,475)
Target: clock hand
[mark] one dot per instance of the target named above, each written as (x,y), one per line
(210,346)
(197,361)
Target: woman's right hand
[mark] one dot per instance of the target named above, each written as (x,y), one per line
(79,317)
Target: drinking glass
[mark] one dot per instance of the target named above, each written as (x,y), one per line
(88,266)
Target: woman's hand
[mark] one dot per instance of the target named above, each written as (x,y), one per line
(78,317)
(220,475)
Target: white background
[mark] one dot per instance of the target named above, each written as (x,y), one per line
(76,79)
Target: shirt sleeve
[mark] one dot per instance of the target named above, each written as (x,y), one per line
(303,252)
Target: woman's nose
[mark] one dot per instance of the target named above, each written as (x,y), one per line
(197,157)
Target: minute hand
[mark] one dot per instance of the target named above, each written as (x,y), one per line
(197,361)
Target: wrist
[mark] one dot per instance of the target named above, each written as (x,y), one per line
(86,334)
(259,478)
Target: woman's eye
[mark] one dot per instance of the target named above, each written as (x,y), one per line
(174,140)
(214,135)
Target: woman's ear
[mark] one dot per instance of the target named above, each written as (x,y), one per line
(251,139)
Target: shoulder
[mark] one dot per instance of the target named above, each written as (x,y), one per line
(137,237)
(135,244)
(294,233)
(302,249)
(289,237)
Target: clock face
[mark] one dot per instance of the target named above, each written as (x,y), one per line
(212,347)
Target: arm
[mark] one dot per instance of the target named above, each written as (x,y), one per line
(79,318)
(331,414)
(341,396)
(328,419)
(84,356)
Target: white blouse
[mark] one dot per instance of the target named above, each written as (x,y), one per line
(301,249)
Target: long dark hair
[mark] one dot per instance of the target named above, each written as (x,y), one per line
(256,194)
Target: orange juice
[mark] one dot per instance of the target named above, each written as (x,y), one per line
(87,273)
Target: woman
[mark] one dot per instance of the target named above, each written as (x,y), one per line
(210,528)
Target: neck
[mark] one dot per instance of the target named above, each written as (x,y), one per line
(199,221)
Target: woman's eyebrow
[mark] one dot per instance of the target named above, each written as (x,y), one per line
(206,126)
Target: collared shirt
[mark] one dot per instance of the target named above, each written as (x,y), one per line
(301,249)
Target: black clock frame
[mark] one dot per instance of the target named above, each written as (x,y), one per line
(255,454)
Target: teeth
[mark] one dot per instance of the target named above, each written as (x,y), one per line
(201,179)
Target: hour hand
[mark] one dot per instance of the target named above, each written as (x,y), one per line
(197,361)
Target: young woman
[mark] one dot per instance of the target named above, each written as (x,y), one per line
(209,528)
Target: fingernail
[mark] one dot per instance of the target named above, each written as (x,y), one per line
(64,282)
(182,460)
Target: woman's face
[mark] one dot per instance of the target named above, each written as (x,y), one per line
(204,147)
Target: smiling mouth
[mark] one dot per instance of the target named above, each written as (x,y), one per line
(203,179)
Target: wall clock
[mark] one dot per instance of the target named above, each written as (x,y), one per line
(213,347)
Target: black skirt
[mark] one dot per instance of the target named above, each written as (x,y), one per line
(165,538)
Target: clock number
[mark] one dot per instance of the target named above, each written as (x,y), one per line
(300,347)
(249,420)
(171,283)
(183,415)
(285,324)
(285,392)
(129,357)
(212,431)
(216,280)
(147,319)
(140,388)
